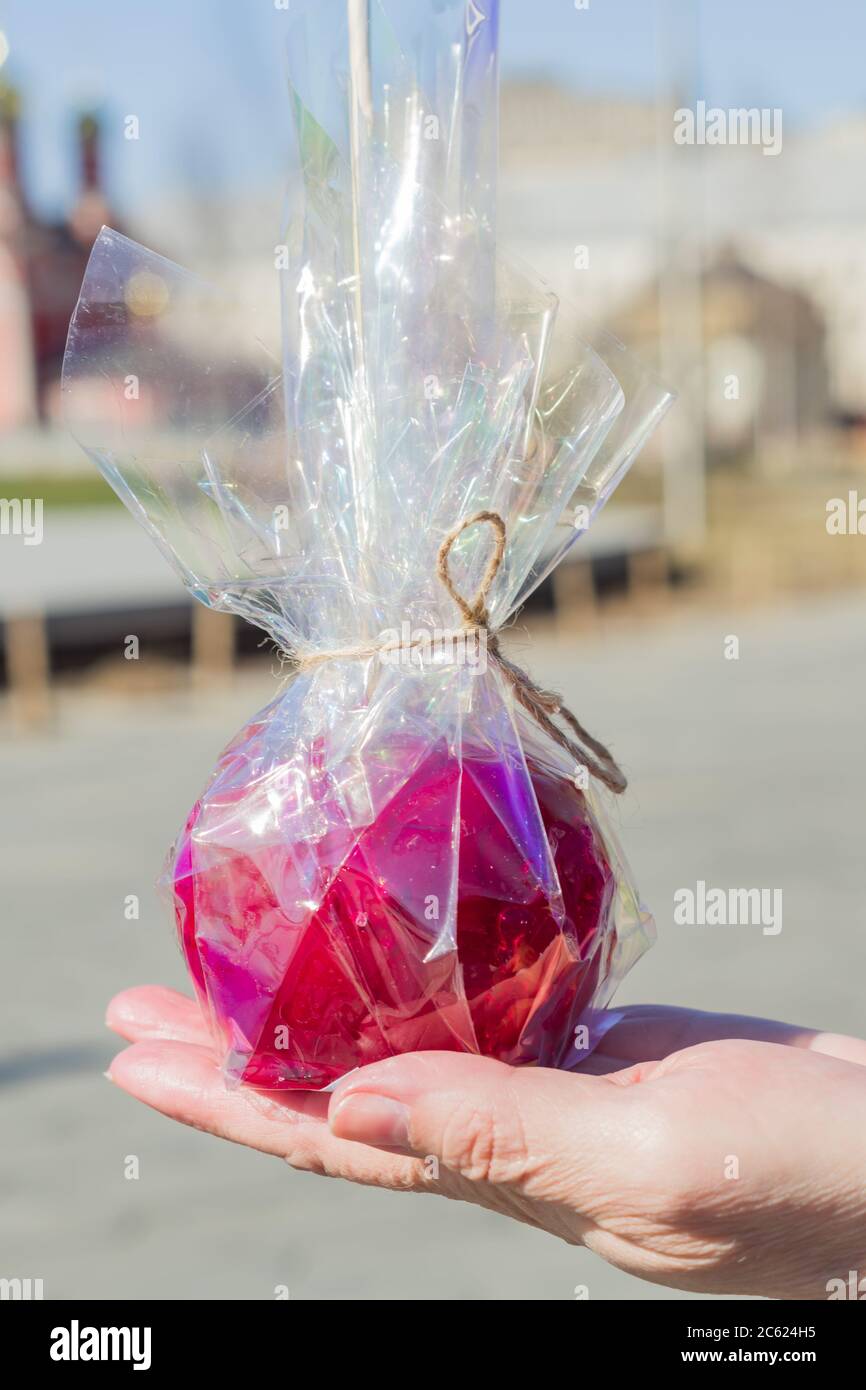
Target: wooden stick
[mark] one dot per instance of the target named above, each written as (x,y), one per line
(360,115)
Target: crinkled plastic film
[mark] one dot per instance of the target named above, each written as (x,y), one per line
(393,854)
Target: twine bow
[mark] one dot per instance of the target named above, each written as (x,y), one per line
(544,705)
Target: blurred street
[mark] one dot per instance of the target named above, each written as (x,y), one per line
(745,773)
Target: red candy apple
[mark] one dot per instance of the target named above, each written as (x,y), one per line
(308,971)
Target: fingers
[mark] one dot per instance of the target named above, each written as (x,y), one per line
(647,1032)
(531,1129)
(152,1011)
(839,1045)
(650,1032)
(183,1081)
(173,1068)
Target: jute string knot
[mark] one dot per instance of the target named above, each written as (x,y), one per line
(543,705)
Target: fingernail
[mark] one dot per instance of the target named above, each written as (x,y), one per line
(370,1119)
(108,1076)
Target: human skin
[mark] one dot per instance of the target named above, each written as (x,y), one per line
(709,1152)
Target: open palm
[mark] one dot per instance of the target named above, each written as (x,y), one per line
(711,1152)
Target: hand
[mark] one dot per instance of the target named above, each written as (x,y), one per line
(709,1152)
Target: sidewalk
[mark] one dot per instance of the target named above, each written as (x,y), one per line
(742,773)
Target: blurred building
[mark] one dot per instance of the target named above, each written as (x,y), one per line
(718,262)
(763,364)
(714,262)
(41,268)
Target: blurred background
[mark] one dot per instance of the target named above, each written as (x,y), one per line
(739,272)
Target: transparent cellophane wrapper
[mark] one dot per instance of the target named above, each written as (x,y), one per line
(392,855)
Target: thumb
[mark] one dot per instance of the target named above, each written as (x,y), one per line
(530,1127)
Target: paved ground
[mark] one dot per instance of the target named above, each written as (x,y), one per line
(744,773)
